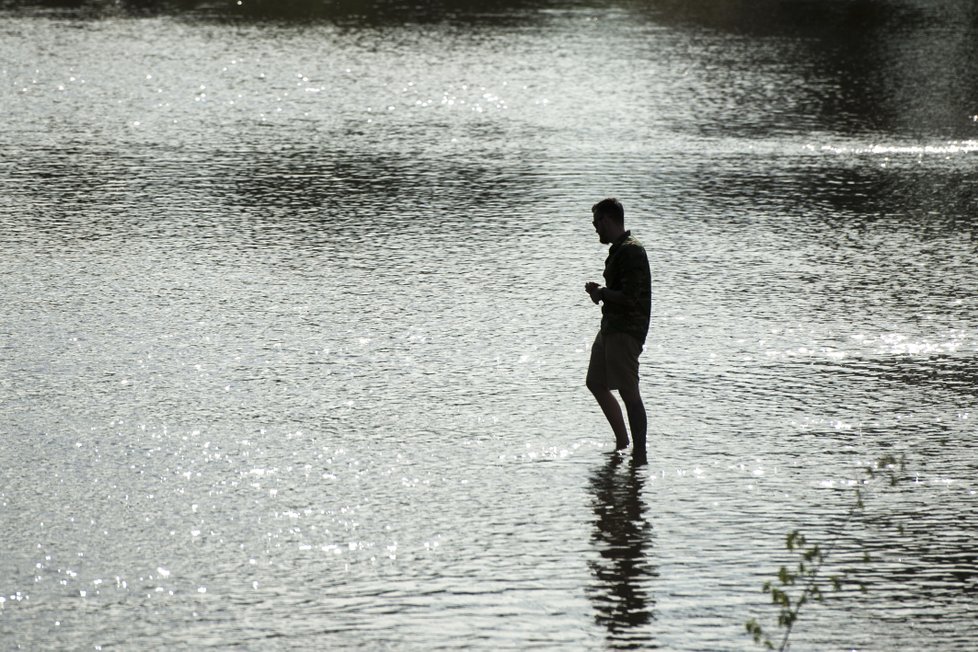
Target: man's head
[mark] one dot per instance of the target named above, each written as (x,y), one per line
(609,219)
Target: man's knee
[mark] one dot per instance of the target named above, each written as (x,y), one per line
(596,387)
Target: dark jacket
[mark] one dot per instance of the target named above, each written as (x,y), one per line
(626,270)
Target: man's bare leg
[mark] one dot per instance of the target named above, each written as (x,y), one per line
(637,420)
(612,412)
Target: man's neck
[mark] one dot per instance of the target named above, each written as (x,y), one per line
(617,235)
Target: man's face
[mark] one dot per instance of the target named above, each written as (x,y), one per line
(599,222)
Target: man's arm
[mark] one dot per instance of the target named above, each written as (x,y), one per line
(614,297)
(599,293)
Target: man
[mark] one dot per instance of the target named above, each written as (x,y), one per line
(627,305)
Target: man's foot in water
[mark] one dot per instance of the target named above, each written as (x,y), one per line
(621,445)
(639,456)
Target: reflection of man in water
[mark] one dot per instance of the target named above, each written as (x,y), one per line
(623,569)
(627,304)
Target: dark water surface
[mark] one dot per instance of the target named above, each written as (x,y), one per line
(293,335)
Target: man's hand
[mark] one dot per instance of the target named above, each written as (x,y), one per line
(594,290)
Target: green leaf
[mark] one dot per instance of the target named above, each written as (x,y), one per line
(790,543)
(754,629)
(785,577)
(779,597)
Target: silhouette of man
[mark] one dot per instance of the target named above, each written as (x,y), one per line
(626,304)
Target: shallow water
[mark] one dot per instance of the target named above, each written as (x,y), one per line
(293,333)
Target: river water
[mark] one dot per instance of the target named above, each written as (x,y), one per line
(293,331)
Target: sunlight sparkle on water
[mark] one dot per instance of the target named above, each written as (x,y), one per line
(323,396)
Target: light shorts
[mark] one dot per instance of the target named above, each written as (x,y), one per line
(614,361)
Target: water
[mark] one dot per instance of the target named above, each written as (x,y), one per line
(294,333)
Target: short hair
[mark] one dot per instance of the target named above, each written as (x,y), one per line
(609,207)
